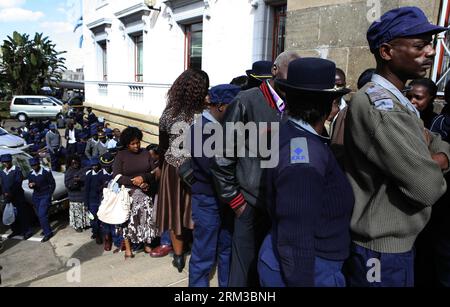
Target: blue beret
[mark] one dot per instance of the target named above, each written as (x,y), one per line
(34,161)
(108,131)
(52,126)
(6,158)
(401,22)
(35,130)
(223,93)
(94,161)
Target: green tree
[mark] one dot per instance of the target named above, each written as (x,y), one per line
(26,65)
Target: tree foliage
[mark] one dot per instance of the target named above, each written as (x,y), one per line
(27,65)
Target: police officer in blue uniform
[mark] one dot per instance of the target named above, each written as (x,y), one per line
(93,196)
(310,199)
(11,184)
(43,184)
(212,232)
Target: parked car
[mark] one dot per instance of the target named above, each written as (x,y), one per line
(26,107)
(8,140)
(21,158)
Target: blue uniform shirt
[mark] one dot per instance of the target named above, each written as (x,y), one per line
(45,183)
(12,182)
(310,201)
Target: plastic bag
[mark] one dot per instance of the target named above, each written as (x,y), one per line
(9,215)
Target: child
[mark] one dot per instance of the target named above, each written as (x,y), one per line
(110,232)
(93,196)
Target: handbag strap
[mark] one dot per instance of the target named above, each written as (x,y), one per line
(116,179)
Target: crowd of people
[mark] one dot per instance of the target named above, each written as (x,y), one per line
(356,180)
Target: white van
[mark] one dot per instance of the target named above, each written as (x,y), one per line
(26,107)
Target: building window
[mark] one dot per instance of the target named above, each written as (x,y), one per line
(194,45)
(138,58)
(104,58)
(279,30)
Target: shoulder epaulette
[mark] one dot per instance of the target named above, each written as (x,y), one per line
(380,97)
(299,151)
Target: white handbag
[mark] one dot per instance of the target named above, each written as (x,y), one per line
(115,206)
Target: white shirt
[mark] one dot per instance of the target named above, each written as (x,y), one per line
(111,144)
(306,127)
(72,139)
(13,168)
(41,170)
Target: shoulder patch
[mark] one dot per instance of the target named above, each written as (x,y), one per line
(299,151)
(380,98)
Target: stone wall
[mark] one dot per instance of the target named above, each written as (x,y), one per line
(121,119)
(336,30)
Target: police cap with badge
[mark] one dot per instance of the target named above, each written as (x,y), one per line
(107,159)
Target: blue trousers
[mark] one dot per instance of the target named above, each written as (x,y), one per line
(22,225)
(96,224)
(112,230)
(165,238)
(212,242)
(41,205)
(395,270)
(327,273)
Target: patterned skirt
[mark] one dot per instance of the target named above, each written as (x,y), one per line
(78,215)
(141,226)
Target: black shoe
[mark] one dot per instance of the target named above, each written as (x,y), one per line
(27,236)
(46,238)
(93,236)
(178,262)
(12,235)
(79,230)
(42,234)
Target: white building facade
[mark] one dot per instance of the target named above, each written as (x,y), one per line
(135,49)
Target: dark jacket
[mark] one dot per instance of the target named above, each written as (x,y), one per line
(75,188)
(45,183)
(11,184)
(92,118)
(66,134)
(94,184)
(201,165)
(237,177)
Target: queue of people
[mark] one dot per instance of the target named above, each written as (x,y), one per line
(356,183)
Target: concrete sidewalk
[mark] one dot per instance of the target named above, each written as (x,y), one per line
(51,264)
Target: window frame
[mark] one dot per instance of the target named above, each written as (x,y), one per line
(138,77)
(188,44)
(279,11)
(104,59)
